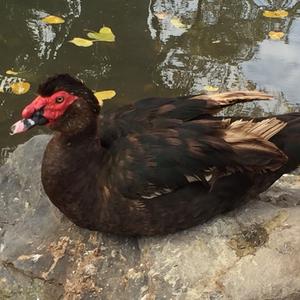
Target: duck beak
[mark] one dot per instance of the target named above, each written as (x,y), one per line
(23,125)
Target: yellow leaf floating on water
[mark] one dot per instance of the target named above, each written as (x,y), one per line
(276,35)
(53,20)
(105,95)
(80,42)
(19,88)
(175,21)
(105,34)
(11,72)
(275,13)
(210,88)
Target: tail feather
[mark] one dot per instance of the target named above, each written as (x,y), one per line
(264,129)
(288,141)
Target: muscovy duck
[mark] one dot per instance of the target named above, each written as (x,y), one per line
(159,165)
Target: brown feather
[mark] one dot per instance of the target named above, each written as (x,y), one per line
(250,141)
(264,129)
(216,102)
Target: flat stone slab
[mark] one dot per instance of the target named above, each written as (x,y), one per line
(250,253)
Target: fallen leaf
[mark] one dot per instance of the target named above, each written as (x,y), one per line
(19,88)
(94,35)
(275,13)
(53,20)
(105,34)
(161,15)
(80,42)
(276,35)
(175,21)
(210,88)
(11,72)
(105,95)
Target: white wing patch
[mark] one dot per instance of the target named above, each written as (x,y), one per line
(193,178)
(157,194)
(165,191)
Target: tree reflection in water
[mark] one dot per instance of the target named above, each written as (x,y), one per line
(219,38)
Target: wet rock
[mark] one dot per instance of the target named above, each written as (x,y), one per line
(250,253)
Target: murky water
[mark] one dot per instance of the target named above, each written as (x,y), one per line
(224,43)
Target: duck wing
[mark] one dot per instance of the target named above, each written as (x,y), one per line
(152,112)
(189,107)
(163,159)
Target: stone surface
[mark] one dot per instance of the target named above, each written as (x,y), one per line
(250,253)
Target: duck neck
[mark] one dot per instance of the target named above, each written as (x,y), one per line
(70,172)
(87,134)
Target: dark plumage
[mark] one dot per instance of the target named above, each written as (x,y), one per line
(159,165)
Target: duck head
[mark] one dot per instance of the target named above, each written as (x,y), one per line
(63,104)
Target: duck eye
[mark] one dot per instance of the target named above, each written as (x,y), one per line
(59,99)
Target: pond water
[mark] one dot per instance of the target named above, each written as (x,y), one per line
(223,43)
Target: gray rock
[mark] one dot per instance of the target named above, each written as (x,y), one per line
(250,253)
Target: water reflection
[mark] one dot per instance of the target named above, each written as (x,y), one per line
(162,28)
(49,39)
(224,44)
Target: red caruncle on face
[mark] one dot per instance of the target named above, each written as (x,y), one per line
(53,106)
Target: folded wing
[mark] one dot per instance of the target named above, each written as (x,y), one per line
(163,160)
